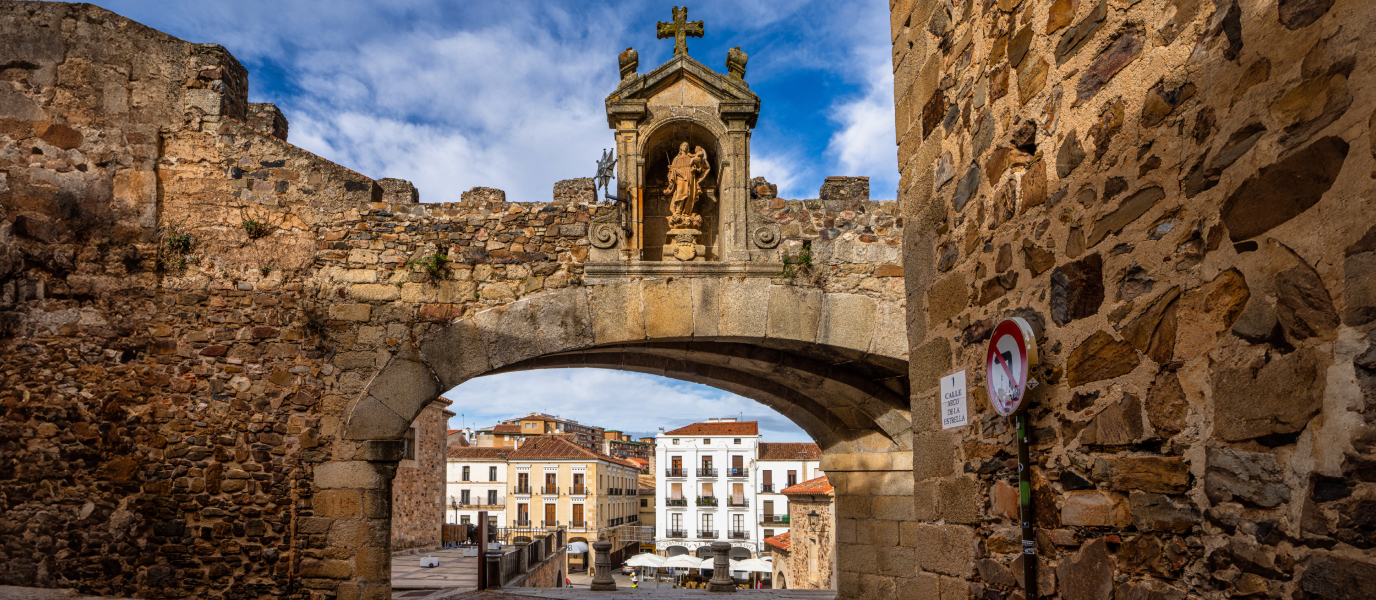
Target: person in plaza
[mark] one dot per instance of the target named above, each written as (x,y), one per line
(635,580)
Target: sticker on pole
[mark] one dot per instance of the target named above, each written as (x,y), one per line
(1012,354)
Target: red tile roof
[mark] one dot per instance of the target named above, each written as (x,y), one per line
(780,541)
(476,453)
(506,429)
(721,428)
(818,486)
(558,448)
(778,451)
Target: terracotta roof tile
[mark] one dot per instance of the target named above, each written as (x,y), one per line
(723,428)
(476,453)
(551,447)
(776,451)
(819,485)
(780,541)
(506,429)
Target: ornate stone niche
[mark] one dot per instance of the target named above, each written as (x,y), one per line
(681,102)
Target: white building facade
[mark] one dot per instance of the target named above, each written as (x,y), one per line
(475,480)
(780,466)
(706,481)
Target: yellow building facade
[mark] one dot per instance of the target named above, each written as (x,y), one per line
(553,482)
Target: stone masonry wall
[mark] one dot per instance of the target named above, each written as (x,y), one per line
(188,306)
(800,574)
(1178,195)
(418,488)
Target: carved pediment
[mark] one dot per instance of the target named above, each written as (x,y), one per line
(682,81)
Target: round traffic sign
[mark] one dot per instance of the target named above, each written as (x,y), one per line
(1012,354)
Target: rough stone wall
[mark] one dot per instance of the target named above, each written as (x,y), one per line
(1178,194)
(851,243)
(418,488)
(549,574)
(800,574)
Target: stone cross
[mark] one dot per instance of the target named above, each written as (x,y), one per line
(680,29)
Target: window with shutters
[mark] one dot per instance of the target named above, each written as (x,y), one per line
(465,473)
(492,473)
(792,478)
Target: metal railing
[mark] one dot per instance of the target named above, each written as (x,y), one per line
(737,502)
(578,490)
(483,503)
(766,488)
(773,518)
(523,522)
(523,489)
(549,523)
(707,500)
(738,535)
(675,472)
(707,534)
(578,524)
(675,533)
(676,502)
(507,567)
(707,472)
(737,472)
(550,490)
(633,519)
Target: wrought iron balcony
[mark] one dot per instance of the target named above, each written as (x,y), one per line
(549,523)
(738,535)
(707,472)
(550,490)
(578,524)
(676,533)
(737,502)
(523,489)
(578,490)
(522,522)
(707,501)
(708,534)
(773,518)
(737,472)
(676,472)
(766,488)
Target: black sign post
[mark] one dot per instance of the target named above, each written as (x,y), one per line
(1012,354)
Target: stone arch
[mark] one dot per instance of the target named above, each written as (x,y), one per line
(834,363)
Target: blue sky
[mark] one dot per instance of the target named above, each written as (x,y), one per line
(509,94)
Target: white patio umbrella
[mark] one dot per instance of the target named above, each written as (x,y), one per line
(682,561)
(646,560)
(753,565)
(577,548)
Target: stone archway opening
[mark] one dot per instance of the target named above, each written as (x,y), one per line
(834,364)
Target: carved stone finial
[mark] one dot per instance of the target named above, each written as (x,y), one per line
(680,29)
(735,63)
(630,61)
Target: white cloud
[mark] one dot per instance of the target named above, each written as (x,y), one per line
(864,145)
(630,402)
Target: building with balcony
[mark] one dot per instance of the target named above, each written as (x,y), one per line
(475,480)
(706,484)
(499,436)
(554,482)
(780,465)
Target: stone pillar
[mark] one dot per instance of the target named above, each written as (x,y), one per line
(602,561)
(734,181)
(721,568)
(353,514)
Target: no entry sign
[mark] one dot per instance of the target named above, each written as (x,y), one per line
(1012,353)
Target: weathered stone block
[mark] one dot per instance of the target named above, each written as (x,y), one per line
(793,313)
(1093,508)
(351,312)
(744,308)
(1165,475)
(946,549)
(668,308)
(847,321)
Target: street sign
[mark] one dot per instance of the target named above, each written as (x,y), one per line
(953,412)
(1012,354)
